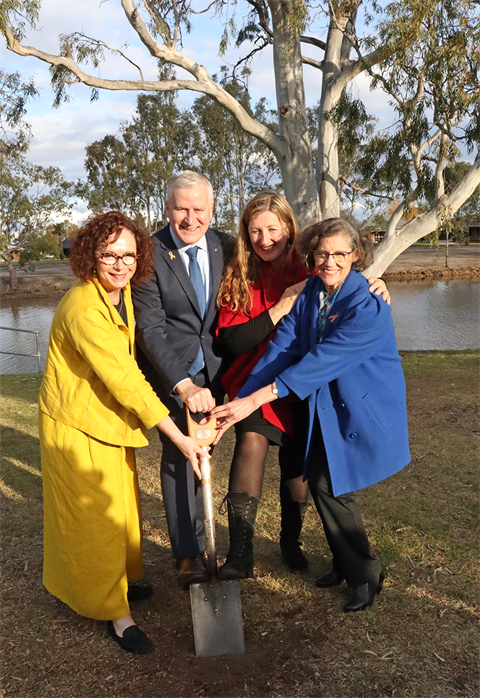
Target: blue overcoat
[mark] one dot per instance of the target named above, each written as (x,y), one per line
(353,380)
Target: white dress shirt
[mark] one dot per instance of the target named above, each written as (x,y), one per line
(202,259)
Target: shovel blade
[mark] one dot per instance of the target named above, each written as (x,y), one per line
(217,618)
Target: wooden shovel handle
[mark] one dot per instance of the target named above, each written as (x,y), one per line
(204,435)
(209,516)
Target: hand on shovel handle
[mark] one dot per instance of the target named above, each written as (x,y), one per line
(204,434)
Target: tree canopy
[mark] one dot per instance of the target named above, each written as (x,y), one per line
(423,54)
(31,196)
(129,171)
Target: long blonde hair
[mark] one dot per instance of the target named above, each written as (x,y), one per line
(245,266)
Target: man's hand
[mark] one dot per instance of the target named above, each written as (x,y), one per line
(379,288)
(195,398)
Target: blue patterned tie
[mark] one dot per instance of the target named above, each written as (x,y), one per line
(197,283)
(196,278)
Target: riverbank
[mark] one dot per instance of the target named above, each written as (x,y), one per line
(50,279)
(416,263)
(423,262)
(419,639)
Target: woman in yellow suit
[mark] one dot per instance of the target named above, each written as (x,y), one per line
(95,407)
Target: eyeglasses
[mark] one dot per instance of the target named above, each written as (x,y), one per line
(111,259)
(337,256)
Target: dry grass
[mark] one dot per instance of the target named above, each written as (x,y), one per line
(419,640)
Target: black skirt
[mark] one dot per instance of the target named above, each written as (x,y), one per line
(257,423)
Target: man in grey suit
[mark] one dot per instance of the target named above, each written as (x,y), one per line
(175,314)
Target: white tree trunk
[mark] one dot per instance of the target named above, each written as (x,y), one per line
(296,160)
(396,241)
(327,156)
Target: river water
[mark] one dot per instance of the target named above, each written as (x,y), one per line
(426,314)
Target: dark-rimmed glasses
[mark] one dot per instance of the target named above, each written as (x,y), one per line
(337,256)
(111,259)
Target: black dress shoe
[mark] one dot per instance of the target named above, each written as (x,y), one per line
(133,639)
(191,570)
(138,591)
(332,578)
(363,596)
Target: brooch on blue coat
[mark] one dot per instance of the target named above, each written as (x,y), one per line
(333,317)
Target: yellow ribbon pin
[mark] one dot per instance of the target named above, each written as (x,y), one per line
(171,255)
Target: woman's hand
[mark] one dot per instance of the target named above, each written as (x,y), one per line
(189,447)
(192,452)
(232,412)
(287,300)
(379,288)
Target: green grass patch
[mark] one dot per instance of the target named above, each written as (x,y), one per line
(419,640)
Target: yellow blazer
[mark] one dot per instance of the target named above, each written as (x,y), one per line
(91,380)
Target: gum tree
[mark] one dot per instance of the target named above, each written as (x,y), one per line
(423,54)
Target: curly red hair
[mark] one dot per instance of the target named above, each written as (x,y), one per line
(95,234)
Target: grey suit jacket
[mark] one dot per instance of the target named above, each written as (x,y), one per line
(169,329)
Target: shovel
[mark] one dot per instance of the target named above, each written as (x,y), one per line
(216,605)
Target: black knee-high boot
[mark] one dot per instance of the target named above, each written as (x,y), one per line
(292,515)
(242,512)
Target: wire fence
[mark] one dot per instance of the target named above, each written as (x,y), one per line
(17,353)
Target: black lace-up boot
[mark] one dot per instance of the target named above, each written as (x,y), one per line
(242,512)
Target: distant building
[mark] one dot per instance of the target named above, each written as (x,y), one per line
(66,246)
(474,231)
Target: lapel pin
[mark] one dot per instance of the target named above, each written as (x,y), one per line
(216,249)
(333,317)
(171,255)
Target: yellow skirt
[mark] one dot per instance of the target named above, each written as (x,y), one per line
(92,521)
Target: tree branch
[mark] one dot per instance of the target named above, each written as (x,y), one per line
(99,42)
(312,62)
(201,12)
(246,58)
(354,68)
(162,26)
(364,191)
(263,16)
(395,243)
(203,82)
(314,42)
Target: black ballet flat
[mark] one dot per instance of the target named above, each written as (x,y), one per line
(133,639)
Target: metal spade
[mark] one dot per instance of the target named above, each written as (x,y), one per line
(216,604)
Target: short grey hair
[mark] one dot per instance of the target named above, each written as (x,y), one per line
(188,179)
(358,239)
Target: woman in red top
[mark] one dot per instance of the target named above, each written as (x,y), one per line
(260,287)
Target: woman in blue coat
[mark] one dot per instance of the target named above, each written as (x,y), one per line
(337,350)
